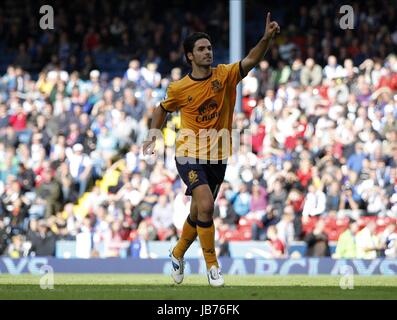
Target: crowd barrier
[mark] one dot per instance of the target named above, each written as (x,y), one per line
(160,249)
(303,266)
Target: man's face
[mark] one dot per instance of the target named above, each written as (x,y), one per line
(332,60)
(202,53)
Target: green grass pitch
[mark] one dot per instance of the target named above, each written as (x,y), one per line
(195,287)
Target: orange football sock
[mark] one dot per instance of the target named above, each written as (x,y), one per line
(189,234)
(206,234)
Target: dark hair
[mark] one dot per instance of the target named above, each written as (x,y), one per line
(352,220)
(188,43)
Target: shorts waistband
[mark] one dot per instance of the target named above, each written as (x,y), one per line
(189,160)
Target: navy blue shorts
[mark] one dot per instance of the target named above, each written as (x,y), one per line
(194,174)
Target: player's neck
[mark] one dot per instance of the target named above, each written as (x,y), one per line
(201,72)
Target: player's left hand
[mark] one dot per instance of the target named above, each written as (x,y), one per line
(148,146)
(272,27)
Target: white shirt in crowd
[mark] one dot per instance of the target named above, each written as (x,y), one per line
(364,240)
(76,161)
(314,203)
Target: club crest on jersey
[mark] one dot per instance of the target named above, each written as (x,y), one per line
(193,177)
(216,85)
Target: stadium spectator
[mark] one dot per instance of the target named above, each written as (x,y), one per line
(349,198)
(25,177)
(65,180)
(114,242)
(333,70)
(311,74)
(222,248)
(346,245)
(4,118)
(42,239)
(162,214)
(367,243)
(16,248)
(277,196)
(285,228)
(241,200)
(3,236)
(315,202)
(333,198)
(63,232)
(80,166)
(270,218)
(317,242)
(389,241)
(258,200)
(355,161)
(49,194)
(277,247)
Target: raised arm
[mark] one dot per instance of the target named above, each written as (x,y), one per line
(256,53)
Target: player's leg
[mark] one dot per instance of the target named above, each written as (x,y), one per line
(206,232)
(193,211)
(189,173)
(209,192)
(205,226)
(189,232)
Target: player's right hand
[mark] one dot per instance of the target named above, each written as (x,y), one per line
(271,28)
(148,146)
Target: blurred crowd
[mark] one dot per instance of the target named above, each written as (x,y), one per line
(318,139)
(85,30)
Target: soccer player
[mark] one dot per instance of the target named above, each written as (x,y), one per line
(205,98)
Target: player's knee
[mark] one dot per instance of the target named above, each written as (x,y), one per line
(206,208)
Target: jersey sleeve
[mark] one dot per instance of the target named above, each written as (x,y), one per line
(170,104)
(234,72)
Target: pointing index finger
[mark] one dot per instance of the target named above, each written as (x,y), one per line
(268,18)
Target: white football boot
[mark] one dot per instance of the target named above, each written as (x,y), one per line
(215,277)
(177,268)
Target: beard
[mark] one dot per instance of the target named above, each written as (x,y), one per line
(205,63)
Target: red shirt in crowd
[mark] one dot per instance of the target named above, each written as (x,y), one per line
(298,203)
(277,245)
(389,81)
(18,121)
(257,139)
(304,176)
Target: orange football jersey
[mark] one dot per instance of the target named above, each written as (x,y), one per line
(206,107)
